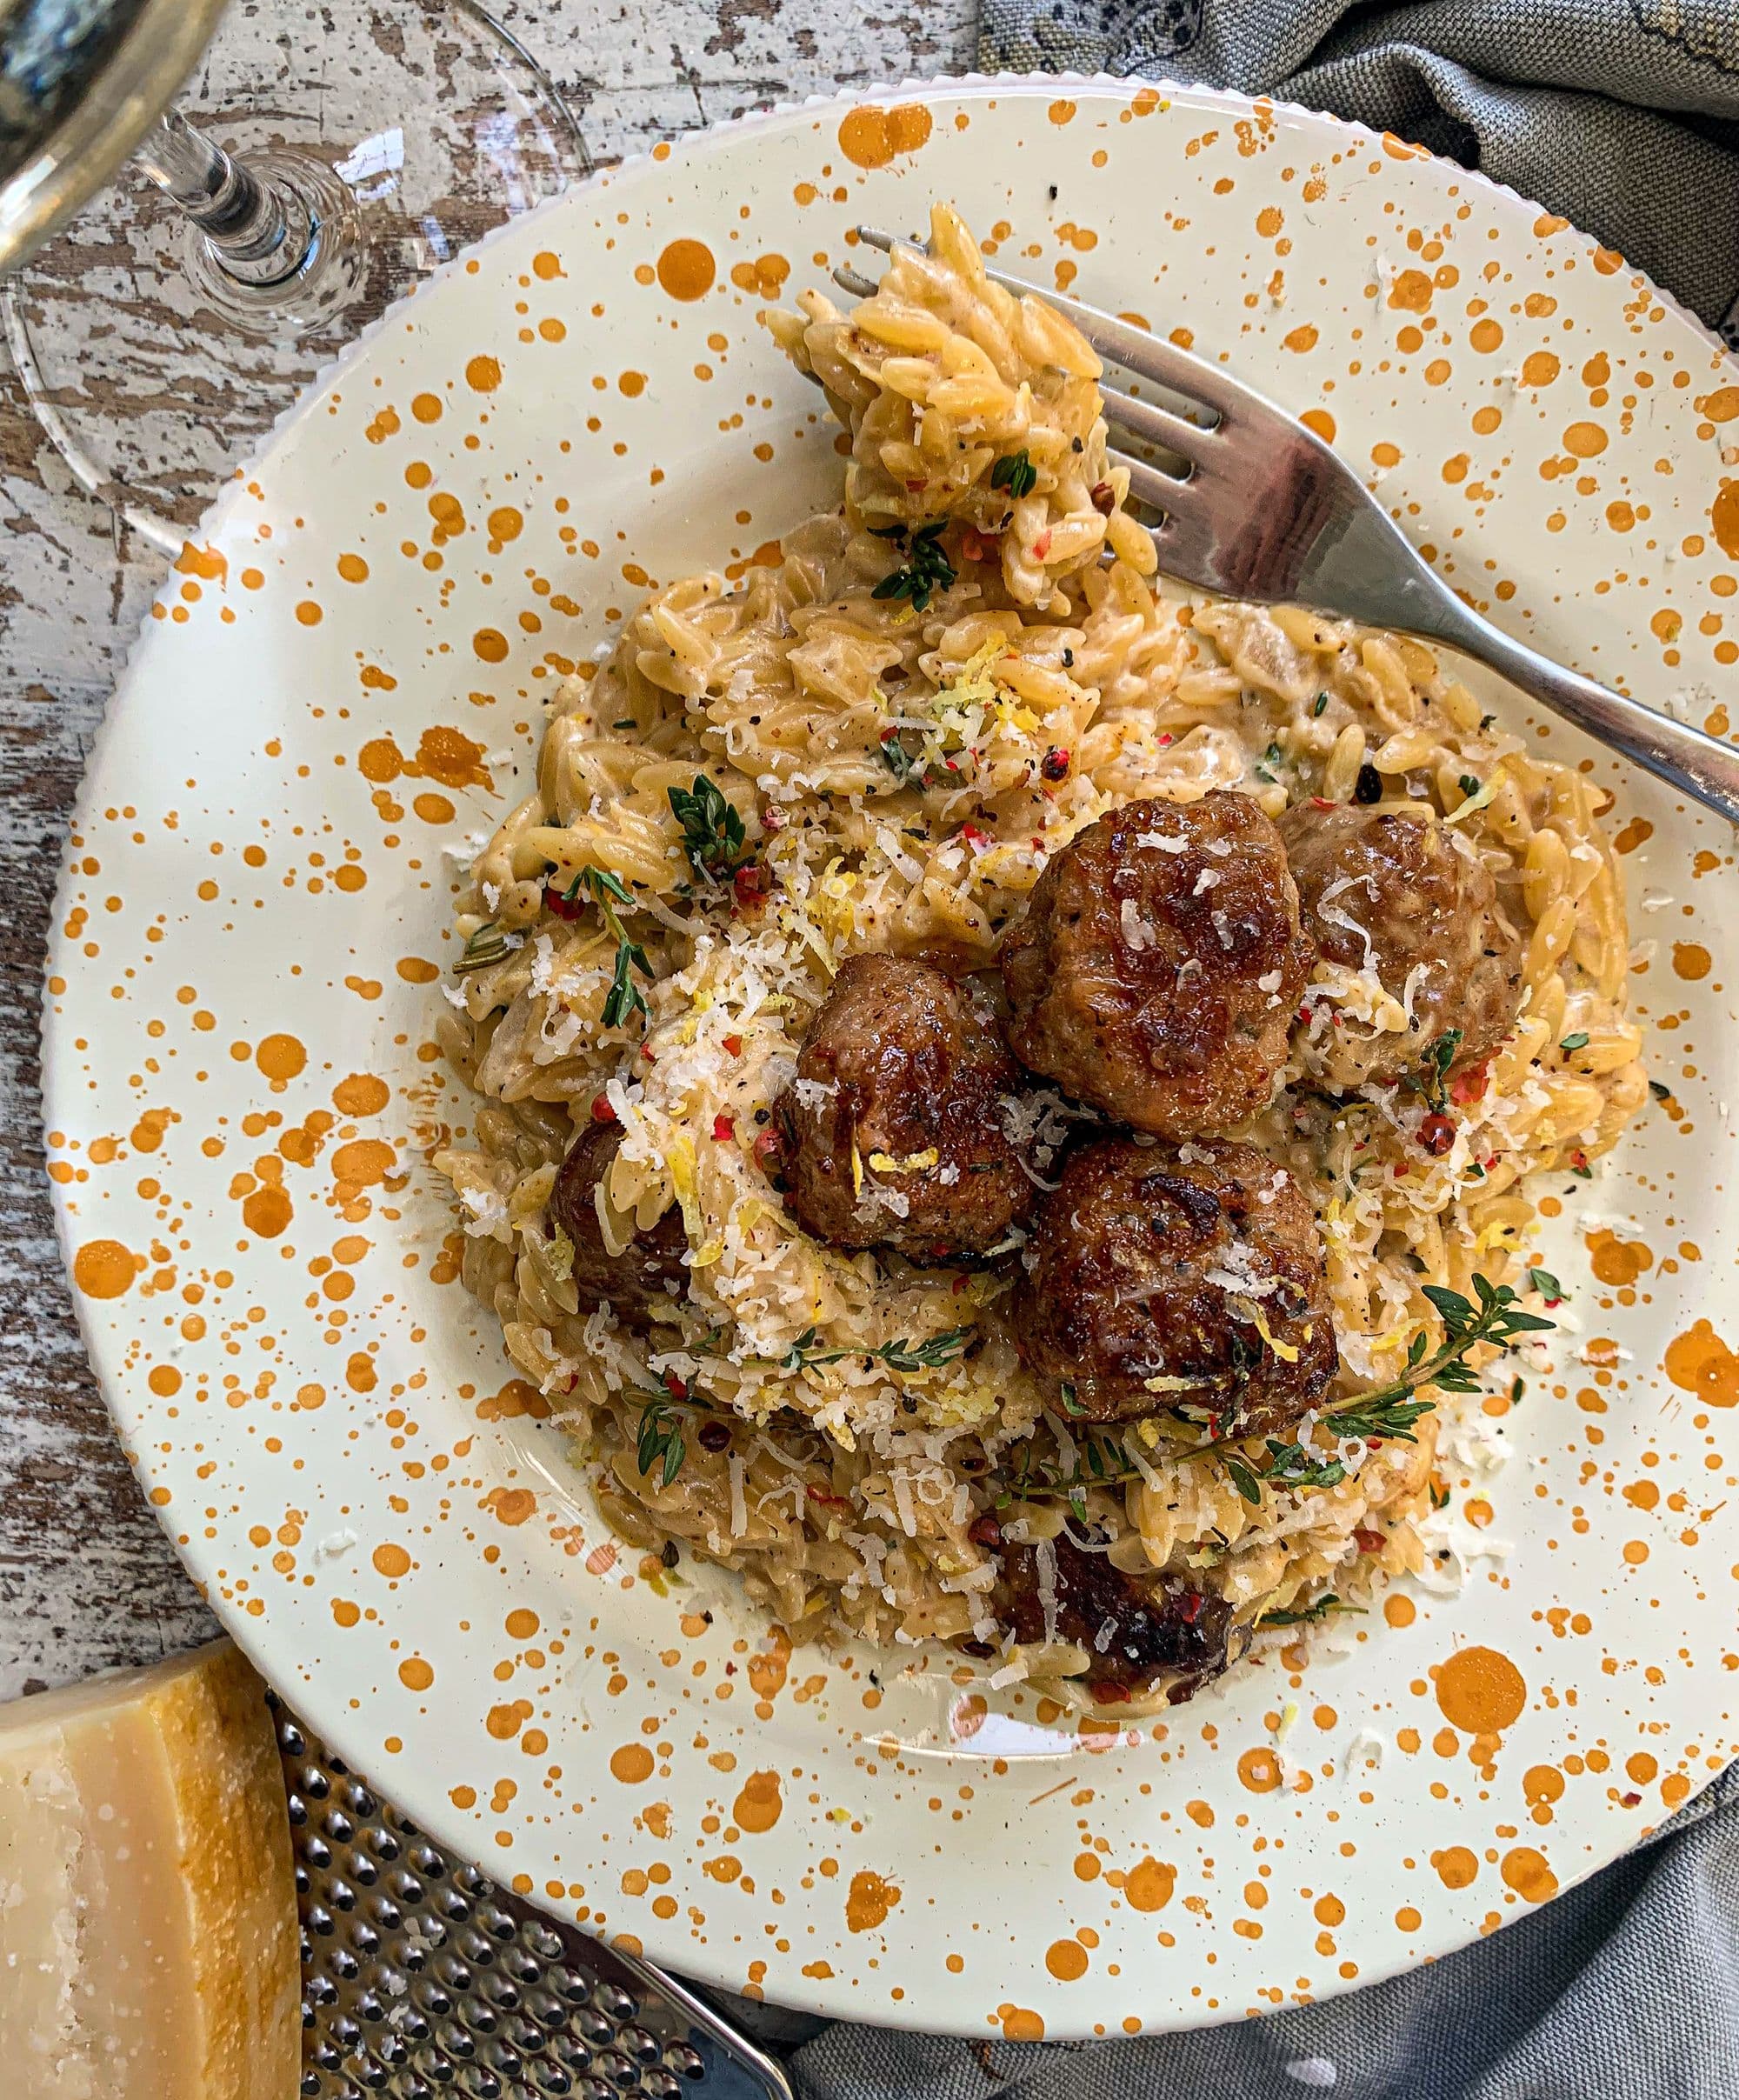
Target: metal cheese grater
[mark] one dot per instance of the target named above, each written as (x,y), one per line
(420,1978)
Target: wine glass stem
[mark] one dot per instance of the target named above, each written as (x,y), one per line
(258,230)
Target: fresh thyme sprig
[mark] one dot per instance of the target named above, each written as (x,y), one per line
(713,835)
(1015,473)
(927,568)
(1388,1415)
(1310,1614)
(606,892)
(660,1440)
(936,1352)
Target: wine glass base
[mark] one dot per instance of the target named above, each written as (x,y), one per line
(421,122)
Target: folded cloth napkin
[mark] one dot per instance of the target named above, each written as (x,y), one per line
(1623,114)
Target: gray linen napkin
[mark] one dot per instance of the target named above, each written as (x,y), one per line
(1623,114)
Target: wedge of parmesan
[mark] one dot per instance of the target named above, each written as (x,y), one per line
(148,1932)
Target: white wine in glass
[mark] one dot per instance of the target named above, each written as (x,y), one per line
(337,157)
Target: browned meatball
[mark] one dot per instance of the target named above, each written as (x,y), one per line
(1157,970)
(1152,1273)
(1142,1630)
(892,1133)
(650,1278)
(1388,889)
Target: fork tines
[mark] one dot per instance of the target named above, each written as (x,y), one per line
(1136,350)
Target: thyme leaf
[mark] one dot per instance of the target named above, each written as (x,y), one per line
(661,1444)
(927,568)
(1432,1078)
(1015,473)
(488,945)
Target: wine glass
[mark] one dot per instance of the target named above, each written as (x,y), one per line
(338,161)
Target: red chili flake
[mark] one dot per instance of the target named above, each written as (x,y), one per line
(977,546)
(772,818)
(1579,1160)
(557,900)
(1370,1542)
(1103,498)
(974,837)
(1190,1606)
(733,1044)
(1321,802)
(1437,1133)
(1041,546)
(1630,1801)
(714,1435)
(1054,765)
(674,1386)
(986,1532)
(1107,1691)
(751,882)
(831,1502)
(1165,737)
(1469,1084)
(649,1053)
(724,1128)
(1303,1014)
(916,487)
(959,1284)
(602,1111)
(768,1145)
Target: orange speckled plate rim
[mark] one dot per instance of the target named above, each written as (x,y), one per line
(1047,2000)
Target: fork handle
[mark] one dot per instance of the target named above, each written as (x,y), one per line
(1697,765)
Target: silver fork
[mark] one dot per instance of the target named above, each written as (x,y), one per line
(1258,507)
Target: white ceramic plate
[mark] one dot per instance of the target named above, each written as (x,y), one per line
(343,678)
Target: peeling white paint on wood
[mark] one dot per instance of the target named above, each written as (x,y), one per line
(87,1580)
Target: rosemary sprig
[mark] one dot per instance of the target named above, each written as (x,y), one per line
(1015,473)
(927,568)
(713,835)
(606,892)
(1387,1414)
(660,1440)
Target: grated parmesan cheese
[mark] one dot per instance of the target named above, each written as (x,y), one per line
(1044,1555)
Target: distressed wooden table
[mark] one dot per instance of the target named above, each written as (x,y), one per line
(86,1578)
